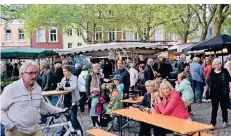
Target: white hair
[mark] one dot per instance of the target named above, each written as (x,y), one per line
(216,61)
(26,64)
(150,61)
(45,63)
(196,59)
(132,65)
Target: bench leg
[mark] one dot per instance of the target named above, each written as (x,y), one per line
(120,125)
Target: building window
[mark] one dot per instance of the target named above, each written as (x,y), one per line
(158,35)
(21,35)
(129,35)
(124,35)
(70,32)
(111,35)
(135,36)
(145,33)
(69,45)
(210,32)
(41,35)
(99,33)
(79,33)
(8,35)
(79,44)
(53,35)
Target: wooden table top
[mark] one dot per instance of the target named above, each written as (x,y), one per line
(138,100)
(54,92)
(99,132)
(174,124)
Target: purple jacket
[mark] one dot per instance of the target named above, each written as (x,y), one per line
(99,106)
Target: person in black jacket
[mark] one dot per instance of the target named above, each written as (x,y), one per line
(146,106)
(57,74)
(46,76)
(124,74)
(148,71)
(219,82)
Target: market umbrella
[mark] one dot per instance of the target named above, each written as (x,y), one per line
(215,43)
(189,48)
(24,53)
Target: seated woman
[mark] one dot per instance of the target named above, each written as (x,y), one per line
(183,86)
(146,105)
(171,105)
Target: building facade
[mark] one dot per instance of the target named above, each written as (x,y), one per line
(73,39)
(50,38)
(13,36)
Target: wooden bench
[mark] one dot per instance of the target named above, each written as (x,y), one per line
(99,132)
(204,134)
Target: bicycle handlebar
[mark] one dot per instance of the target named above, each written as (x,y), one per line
(57,115)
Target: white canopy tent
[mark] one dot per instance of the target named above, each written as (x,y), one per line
(103,49)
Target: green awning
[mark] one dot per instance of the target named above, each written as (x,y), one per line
(26,53)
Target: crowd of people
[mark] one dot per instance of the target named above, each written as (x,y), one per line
(196,79)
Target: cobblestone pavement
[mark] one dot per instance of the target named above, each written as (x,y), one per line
(201,113)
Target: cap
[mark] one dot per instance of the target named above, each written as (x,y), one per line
(117,77)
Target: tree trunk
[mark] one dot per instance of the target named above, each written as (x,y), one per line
(93,34)
(217,27)
(204,33)
(185,37)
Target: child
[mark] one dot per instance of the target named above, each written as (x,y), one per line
(146,105)
(95,106)
(120,86)
(115,101)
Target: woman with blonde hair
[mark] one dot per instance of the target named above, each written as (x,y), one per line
(171,105)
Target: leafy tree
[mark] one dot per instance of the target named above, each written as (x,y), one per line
(144,18)
(225,28)
(222,12)
(186,23)
(205,14)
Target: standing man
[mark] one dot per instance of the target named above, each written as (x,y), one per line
(93,80)
(196,71)
(22,102)
(124,74)
(148,71)
(46,76)
(180,63)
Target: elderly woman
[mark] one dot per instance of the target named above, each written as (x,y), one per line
(183,86)
(196,71)
(219,82)
(171,105)
(146,106)
(69,83)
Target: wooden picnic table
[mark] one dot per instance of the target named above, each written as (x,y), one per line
(138,100)
(54,92)
(181,126)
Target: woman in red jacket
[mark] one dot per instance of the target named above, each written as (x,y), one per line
(207,69)
(171,105)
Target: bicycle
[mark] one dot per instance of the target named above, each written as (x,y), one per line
(67,126)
